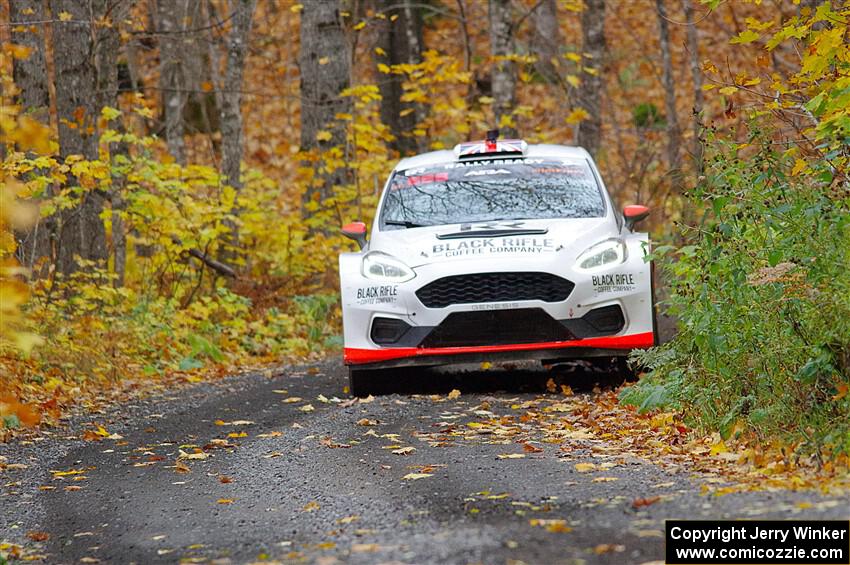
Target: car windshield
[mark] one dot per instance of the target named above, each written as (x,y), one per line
(481,191)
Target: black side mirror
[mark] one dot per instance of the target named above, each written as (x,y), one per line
(355,231)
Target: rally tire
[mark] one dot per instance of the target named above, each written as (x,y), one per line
(361,382)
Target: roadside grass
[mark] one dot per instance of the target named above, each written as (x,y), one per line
(761,289)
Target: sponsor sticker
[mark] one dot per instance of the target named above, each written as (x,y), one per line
(496,306)
(380,294)
(494,245)
(613,282)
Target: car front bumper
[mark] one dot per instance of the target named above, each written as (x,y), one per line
(497,329)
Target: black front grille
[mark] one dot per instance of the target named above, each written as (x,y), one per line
(496,327)
(494,287)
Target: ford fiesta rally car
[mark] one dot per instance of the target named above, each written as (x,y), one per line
(498,250)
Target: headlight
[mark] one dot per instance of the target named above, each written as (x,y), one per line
(382,267)
(603,254)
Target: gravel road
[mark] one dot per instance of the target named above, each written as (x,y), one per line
(281,466)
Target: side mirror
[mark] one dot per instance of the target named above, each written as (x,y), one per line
(634,213)
(355,231)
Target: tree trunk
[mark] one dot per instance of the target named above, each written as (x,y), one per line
(503,74)
(231,107)
(546,41)
(82,232)
(172,17)
(107,48)
(325,73)
(673,131)
(30,75)
(696,75)
(590,91)
(231,98)
(400,39)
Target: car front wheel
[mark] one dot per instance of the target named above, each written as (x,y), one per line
(361,382)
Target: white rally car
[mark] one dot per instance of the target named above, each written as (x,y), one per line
(497,250)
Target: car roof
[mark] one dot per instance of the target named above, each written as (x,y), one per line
(538,150)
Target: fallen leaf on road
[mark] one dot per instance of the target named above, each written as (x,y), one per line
(237,434)
(224,501)
(270,434)
(272,455)
(415,476)
(224,479)
(280,391)
(605,479)
(197,456)
(404,450)
(158,537)
(608,548)
(291,400)
(72,488)
(364,547)
(307,408)
(348,519)
(528,448)
(585,467)
(554,525)
(455,393)
(367,422)
(311,506)
(510,456)
(38,536)
(329,442)
(642,502)
(68,473)
(217,443)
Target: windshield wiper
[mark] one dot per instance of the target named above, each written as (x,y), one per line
(498,232)
(404,223)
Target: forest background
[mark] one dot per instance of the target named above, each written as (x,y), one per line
(175,172)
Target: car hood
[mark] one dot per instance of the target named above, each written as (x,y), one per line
(497,239)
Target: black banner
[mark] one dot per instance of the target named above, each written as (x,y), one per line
(763,542)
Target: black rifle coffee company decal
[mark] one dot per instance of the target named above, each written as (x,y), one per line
(496,245)
(614,282)
(382,294)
